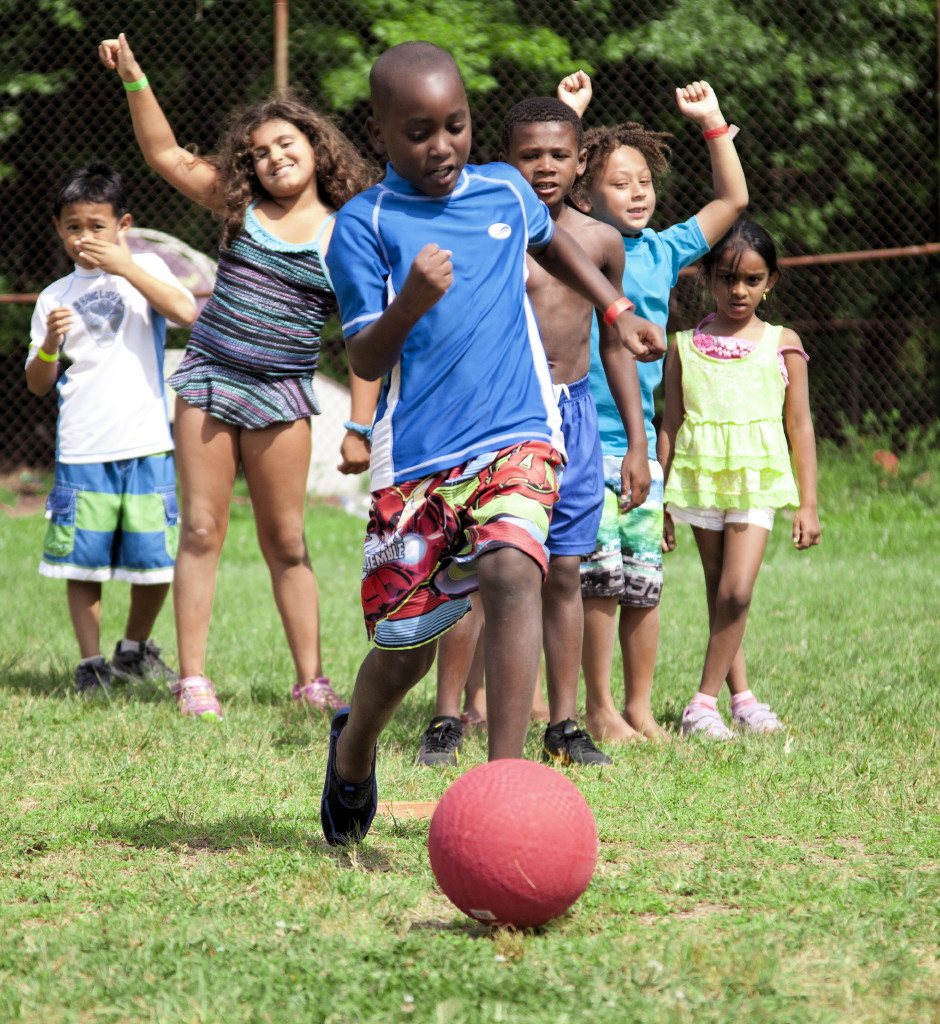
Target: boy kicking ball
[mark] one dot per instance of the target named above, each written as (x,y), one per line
(429,269)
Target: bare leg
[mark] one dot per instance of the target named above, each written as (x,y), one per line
(736,554)
(540,712)
(737,675)
(474,694)
(639,642)
(600,634)
(146,601)
(562,629)
(456,650)
(383,680)
(510,590)
(84,600)
(207,460)
(275,460)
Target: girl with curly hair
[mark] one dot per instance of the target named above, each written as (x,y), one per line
(245,385)
(624,165)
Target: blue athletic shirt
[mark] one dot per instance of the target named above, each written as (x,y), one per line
(473,376)
(653,262)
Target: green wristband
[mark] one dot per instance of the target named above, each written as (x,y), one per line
(46,357)
(141,83)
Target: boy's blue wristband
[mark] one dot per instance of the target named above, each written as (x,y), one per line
(359,428)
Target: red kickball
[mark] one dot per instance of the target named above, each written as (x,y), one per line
(513,843)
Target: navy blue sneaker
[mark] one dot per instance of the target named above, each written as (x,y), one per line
(346,811)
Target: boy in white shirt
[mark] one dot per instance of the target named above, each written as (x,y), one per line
(112,510)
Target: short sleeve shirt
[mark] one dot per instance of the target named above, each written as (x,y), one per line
(112,403)
(472,376)
(651,270)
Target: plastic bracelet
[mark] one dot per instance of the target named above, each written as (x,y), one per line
(714,133)
(618,306)
(47,357)
(141,83)
(359,428)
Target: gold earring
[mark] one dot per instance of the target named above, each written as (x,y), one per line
(765,296)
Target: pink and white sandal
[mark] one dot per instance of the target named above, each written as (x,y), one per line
(755,717)
(699,720)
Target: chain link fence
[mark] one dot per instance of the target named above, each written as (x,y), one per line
(837,107)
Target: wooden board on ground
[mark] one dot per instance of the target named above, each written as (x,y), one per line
(418,809)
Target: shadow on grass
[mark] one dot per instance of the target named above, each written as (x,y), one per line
(58,683)
(467,928)
(46,683)
(238,833)
(230,833)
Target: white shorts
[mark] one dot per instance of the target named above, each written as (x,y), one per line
(716,518)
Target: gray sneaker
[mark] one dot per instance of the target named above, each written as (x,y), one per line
(93,678)
(144,663)
(441,742)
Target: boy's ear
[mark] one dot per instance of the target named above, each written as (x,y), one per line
(126,222)
(376,136)
(582,162)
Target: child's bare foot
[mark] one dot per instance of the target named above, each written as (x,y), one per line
(647,727)
(472,719)
(609,727)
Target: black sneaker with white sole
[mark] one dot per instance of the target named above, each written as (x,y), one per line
(566,744)
(441,742)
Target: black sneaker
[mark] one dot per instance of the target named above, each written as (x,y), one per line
(441,741)
(567,744)
(144,663)
(93,678)
(346,811)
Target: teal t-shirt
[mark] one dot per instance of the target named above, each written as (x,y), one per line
(653,262)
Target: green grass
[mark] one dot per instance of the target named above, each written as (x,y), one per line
(160,870)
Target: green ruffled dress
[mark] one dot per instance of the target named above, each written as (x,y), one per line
(731,451)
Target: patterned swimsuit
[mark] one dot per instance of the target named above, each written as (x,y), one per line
(253,351)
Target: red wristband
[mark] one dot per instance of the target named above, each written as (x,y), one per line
(714,133)
(618,306)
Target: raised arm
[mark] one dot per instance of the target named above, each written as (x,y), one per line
(565,259)
(575,91)
(194,176)
(698,102)
(806,529)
